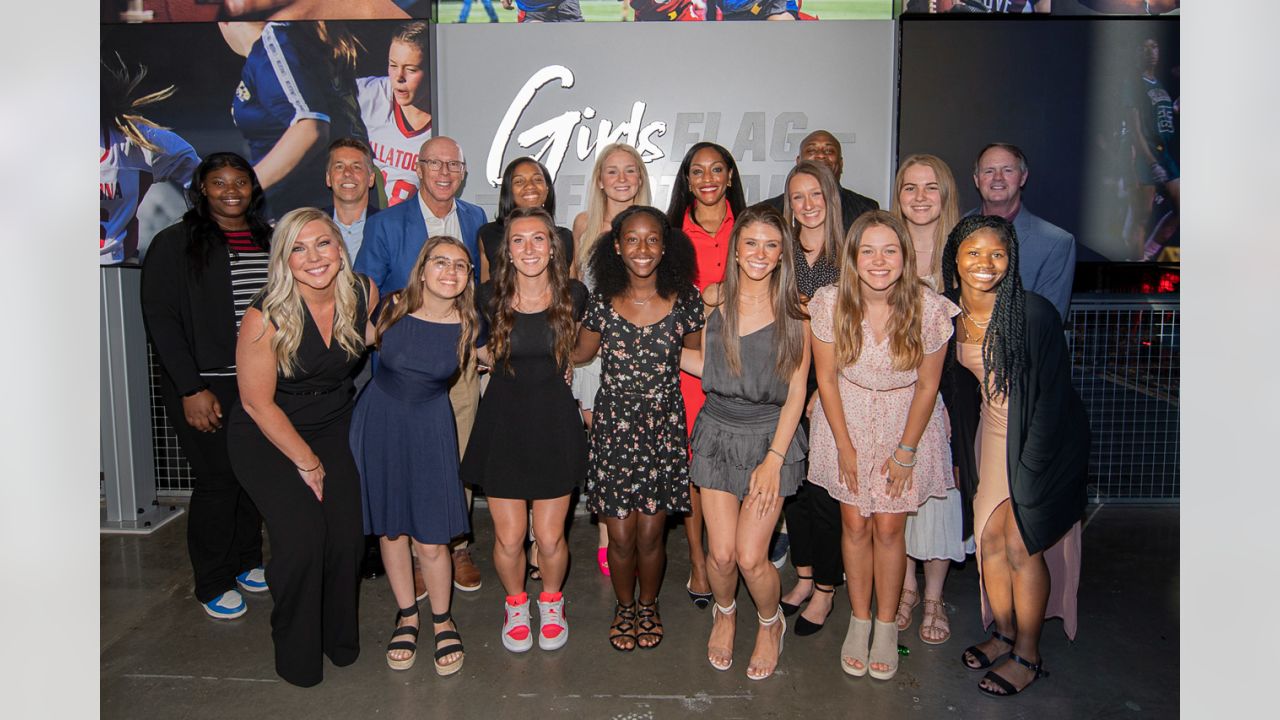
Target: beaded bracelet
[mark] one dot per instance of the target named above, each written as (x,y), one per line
(899,463)
(906,447)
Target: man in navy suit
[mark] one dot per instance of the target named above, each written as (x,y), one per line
(392,240)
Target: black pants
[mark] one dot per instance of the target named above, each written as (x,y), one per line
(224,530)
(813,527)
(316,546)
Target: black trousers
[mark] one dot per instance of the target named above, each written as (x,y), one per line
(316,546)
(224,530)
(813,527)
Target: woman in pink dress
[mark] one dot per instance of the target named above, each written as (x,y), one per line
(879,444)
(1010,397)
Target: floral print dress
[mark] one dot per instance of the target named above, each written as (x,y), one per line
(639,458)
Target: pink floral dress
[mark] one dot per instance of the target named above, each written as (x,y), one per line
(876,399)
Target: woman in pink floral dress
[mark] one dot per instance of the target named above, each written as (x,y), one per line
(878,442)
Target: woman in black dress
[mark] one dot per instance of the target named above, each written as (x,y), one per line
(526,183)
(644,311)
(1011,402)
(528,446)
(298,343)
(197,281)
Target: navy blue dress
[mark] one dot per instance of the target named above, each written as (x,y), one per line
(403,436)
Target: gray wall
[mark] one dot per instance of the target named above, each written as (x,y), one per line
(753,88)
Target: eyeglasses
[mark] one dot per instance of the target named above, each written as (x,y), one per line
(434,165)
(440,263)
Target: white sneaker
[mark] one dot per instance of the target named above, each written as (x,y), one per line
(227,606)
(254,581)
(517,636)
(553,628)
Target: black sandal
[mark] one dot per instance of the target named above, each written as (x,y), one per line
(410,645)
(804,626)
(448,648)
(1003,684)
(787,608)
(984,662)
(650,625)
(626,627)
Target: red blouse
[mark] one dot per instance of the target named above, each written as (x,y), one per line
(712,252)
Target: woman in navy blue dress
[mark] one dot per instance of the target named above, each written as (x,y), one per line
(404,444)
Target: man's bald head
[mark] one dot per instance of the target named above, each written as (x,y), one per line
(821,146)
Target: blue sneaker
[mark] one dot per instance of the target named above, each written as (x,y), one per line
(254,581)
(226,606)
(778,549)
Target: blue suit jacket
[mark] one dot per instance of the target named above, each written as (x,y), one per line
(394,237)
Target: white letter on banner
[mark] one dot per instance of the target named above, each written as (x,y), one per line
(493,168)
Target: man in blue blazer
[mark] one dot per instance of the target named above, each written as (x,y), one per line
(392,240)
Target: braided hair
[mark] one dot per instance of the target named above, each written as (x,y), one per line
(1004,348)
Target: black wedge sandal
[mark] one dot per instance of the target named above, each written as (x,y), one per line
(1009,690)
(984,662)
(410,645)
(444,647)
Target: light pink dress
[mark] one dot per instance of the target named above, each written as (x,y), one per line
(876,399)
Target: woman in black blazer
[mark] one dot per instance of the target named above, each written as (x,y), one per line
(198,277)
(1022,440)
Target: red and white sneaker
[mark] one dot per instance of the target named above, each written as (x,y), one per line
(517,636)
(553,628)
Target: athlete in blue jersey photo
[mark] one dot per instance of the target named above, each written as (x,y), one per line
(297,89)
(545,10)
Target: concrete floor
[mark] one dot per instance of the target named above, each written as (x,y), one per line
(162,657)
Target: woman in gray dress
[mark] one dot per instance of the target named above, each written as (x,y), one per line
(748,449)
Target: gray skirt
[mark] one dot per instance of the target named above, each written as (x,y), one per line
(731,438)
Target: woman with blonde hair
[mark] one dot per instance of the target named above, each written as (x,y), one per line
(403,440)
(879,445)
(299,340)
(813,210)
(924,199)
(618,181)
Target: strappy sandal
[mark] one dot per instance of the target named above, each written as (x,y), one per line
(856,642)
(699,600)
(787,608)
(884,650)
(935,619)
(1036,668)
(411,645)
(622,636)
(445,648)
(650,625)
(726,611)
(770,622)
(905,608)
(983,661)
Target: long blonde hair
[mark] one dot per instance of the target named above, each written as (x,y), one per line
(950,208)
(597,202)
(906,347)
(784,298)
(403,302)
(282,304)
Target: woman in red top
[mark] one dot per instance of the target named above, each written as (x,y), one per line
(704,206)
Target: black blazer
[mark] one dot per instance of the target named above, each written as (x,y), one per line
(1049,437)
(191,319)
(851,206)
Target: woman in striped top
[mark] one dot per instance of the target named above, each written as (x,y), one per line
(197,279)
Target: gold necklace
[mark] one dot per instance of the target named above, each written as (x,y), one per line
(753,298)
(521,301)
(644,301)
(981,325)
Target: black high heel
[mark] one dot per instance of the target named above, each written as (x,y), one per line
(804,626)
(700,600)
(787,608)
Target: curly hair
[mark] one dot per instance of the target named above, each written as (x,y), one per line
(784,298)
(676,269)
(501,310)
(403,302)
(906,346)
(205,232)
(682,197)
(1004,351)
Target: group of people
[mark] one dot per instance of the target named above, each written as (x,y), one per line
(896,383)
